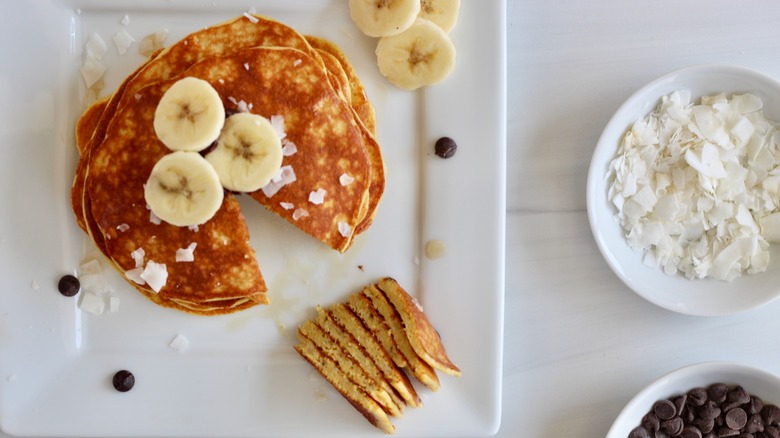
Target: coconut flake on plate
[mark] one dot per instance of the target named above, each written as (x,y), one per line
(96,46)
(123,41)
(186,254)
(135,275)
(693,187)
(251,17)
(285,176)
(113,304)
(92,71)
(92,303)
(155,275)
(317,197)
(125,20)
(152,42)
(180,343)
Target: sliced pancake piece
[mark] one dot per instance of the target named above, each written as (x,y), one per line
(361,306)
(351,346)
(419,368)
(421,334)
(224,272)
(349,366)
(356,396)
(350,323)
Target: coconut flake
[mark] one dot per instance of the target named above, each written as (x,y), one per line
(317,197)
(123,227)
(287,205)
(122,41)
(299,213)
(152,42)
(138,257)
(96,46)
(186,254)
(344,229)
(92,71)
(242,106)
(289,148)
(92,303)
(346,180)
(153,218)
(155,275)
(125,20)
(277,122)
(135,275)
(285,176)
(113,304)
(297,62)
(246,66)
(251,17)
(180,343)
(193,228)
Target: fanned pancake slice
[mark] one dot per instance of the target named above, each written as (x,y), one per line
(350,323)
(419,368)
(349,366)
(421,334)
(225,268)
(361,306)
(354,394)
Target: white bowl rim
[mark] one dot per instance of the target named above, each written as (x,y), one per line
(591,196)
(696,368)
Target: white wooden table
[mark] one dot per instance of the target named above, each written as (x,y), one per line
(578,343)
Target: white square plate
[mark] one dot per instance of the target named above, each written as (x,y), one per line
(240,376)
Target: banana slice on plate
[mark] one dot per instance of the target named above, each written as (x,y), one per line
(442,12)
(248,153)
(419,56)
(378,18)
(189,116)
(183,189)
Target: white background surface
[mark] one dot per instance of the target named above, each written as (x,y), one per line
(578,343)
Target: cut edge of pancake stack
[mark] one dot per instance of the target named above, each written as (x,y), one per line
(366,345)
(238,38)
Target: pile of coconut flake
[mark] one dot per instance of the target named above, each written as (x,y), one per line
(696,186)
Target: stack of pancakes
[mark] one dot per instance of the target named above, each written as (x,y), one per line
(363,346)
(258,65)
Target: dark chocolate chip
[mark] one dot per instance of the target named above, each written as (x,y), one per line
(771,415)
(679,403)
(639,432)
(738,395)
(690,432)
(710,410)
(673,427)
(736,418)
(755,405)
(772,431)
(445,147)
(746,435)
(706,425)
(725,431)
(718,392)
(664,409)
(754,424)
(210,148)
(69,285)
(650,422)
(697,396)
(123,381)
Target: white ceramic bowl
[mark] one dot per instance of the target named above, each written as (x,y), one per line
(757,382)
(706,297)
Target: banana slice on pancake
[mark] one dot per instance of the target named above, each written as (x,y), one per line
(442,12)
(248,153)
(378,18)
(190,115)
(419,56)
(183,189)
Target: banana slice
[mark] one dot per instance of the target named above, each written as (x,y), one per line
(248,153)
(378,18)
(442,12)
(189,115)
(183,189)
(421,55)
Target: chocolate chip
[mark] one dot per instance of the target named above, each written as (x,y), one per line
(123,381)
(718,392)
(736,418)
(664,409)
(706,425)
(772,431)
(738,395)
(754,424)
(445,147)
(697,396)
(69,285)
(690,432)
(755,405)
(710,410)
(771,415)
(639,432)
(673,427)
(650,422)
(725,431)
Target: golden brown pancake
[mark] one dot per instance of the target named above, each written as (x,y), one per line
(225,268)
(86,124)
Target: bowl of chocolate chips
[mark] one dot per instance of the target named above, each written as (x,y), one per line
(705,400)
